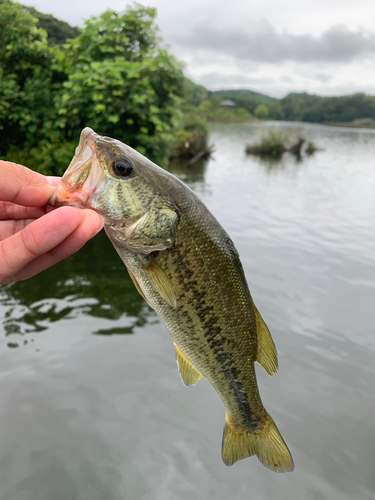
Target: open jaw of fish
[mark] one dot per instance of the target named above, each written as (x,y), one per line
(83,177)
(186,267)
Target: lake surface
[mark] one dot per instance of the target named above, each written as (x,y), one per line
(91,404)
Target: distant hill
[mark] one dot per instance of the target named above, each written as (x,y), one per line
(58,31)
(250,100)
(242,94)
(318,109)
(304,107)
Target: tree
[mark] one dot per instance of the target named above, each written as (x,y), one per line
(58,31)
(261,111)
(26,78)
(194,94)
(121,82)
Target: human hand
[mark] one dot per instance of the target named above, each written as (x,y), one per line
(33,235)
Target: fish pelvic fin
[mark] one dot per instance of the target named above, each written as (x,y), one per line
(160,281)
(265,441)
(266,353)
(188,373)
(137,285)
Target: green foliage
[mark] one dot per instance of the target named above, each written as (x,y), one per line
(49,157)
(26,79)
(310,148)
(210,110)
(193,94)
(277,141)
(363,123)
(58,31)
(261,111)
(250,100)
(235,94)
(312,108)
(190,138)
(114,77)
(121,83)
(306,107)
(272,144)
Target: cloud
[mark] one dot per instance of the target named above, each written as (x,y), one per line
(278,80)
(259,41)
(215,80)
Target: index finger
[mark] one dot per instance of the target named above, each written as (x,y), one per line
(23,186)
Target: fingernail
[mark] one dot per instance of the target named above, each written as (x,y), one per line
(96,232)
(101,226)
(52,179)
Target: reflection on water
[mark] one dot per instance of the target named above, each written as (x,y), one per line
(193,175)
(106,416)
(273,165)
(98,285)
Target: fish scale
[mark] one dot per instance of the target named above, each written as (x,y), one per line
(188,270)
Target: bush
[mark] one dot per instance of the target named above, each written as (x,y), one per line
(26,79)
(191,138)
(276,142)
(273,144)
(114,77)
(261,112)
(121,83)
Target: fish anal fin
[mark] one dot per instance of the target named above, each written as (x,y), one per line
(265,441)
(266,352)
(188,373)
(160,281)
(137,285)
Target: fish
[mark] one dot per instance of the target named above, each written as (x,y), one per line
(186,267)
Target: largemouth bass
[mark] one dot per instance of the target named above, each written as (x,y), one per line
(188,270)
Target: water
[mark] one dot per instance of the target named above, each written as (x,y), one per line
(91,404)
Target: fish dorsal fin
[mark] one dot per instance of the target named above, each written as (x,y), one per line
(266,353)
(188,373)
(160,281)
(137,285)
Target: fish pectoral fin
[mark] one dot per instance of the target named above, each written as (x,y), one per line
(188,373)
(138,286)
(266,351)
(265,441)
(155,230)
(160,281)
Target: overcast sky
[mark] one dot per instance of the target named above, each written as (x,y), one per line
(319,46)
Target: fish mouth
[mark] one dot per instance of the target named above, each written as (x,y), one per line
(83,177)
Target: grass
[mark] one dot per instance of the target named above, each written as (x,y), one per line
(272,144)
(276,142)
(191,138)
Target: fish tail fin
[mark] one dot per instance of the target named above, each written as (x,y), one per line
(265,441)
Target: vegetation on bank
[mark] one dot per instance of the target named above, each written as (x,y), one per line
(359,123)
(191,138)
(251,101)
(114,77)
(277,141)
(198,101)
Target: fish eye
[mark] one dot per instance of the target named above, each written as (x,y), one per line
(122,167)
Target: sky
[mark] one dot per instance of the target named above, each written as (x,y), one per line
(324,47)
